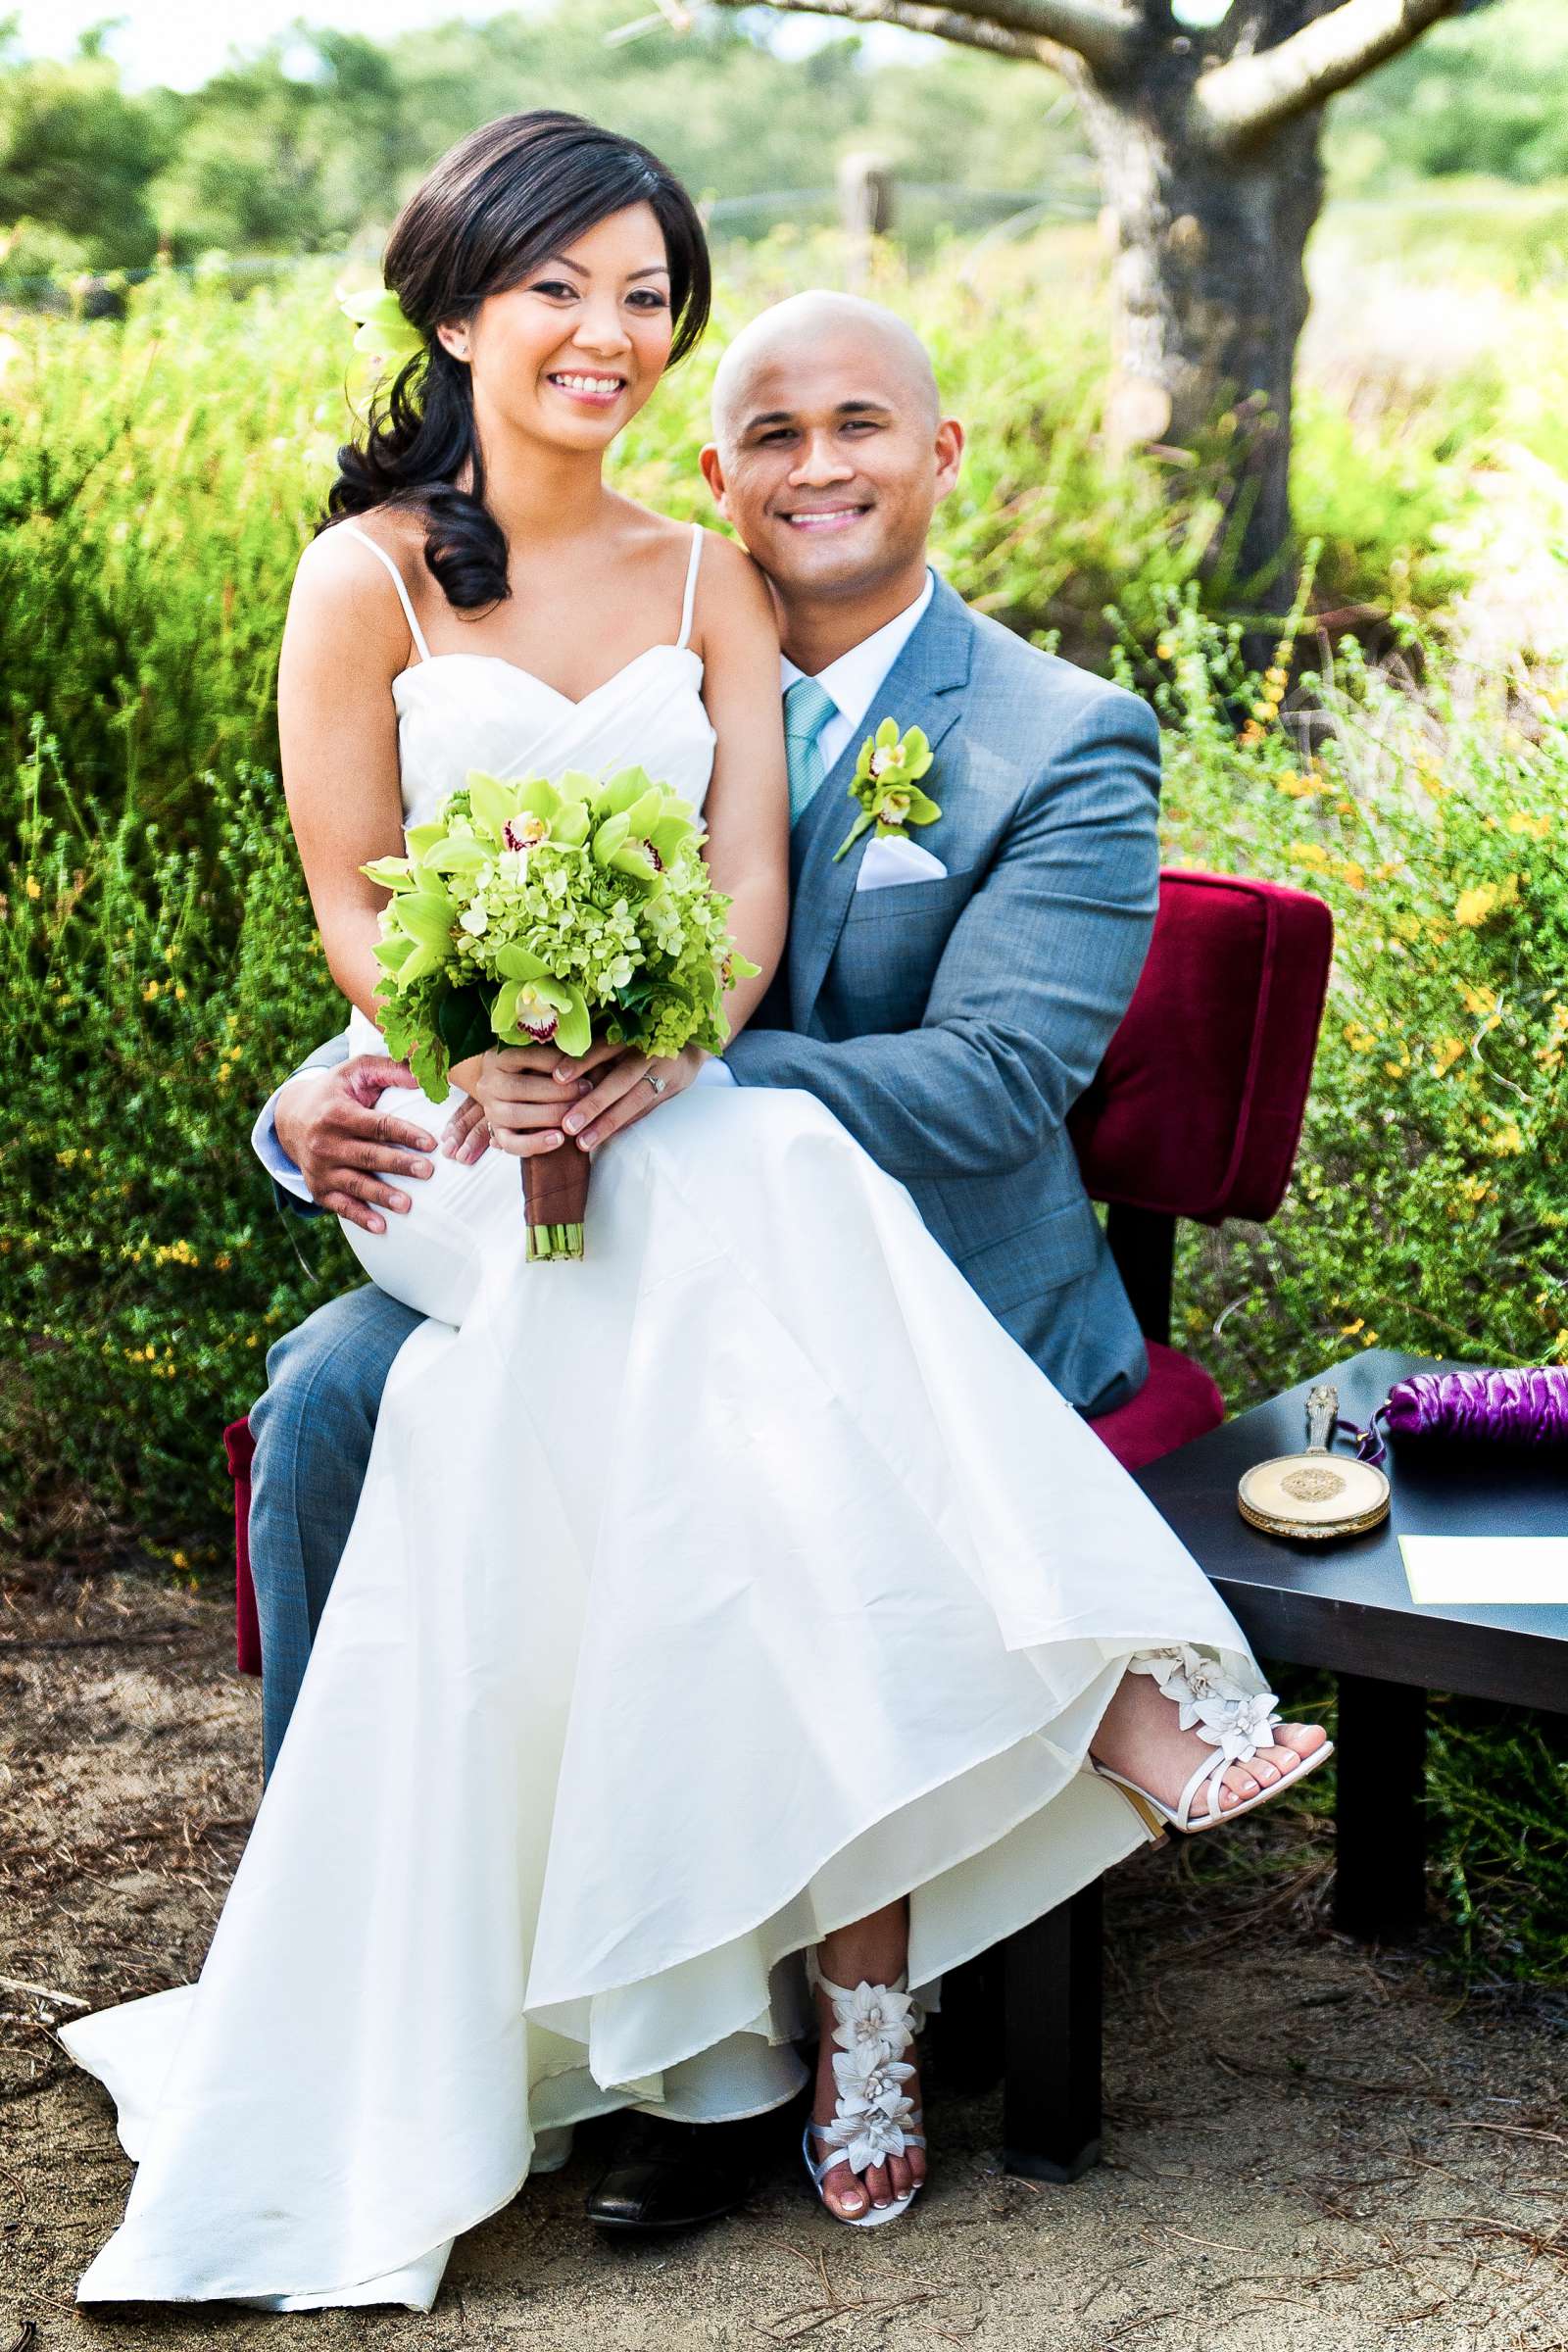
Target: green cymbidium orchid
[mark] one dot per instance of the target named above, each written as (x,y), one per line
(886,785)
(387,337)
(533,1008)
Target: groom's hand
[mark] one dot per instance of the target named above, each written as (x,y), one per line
(328,1123)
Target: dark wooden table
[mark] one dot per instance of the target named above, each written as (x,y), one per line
(1344,1605)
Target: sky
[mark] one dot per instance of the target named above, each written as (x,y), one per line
(182,42)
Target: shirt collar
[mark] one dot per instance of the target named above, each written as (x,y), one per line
(854,678)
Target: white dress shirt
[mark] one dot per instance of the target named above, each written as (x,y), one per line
(851,681)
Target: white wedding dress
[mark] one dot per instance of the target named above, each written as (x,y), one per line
(704,1595)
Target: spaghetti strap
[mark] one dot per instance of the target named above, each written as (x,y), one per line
(691,586)
(404,598)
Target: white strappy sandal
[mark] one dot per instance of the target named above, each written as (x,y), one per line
(874,2118)
(1235,1723)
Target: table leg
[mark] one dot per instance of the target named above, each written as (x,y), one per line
(1051,2104)
(1380,1884)
(964,2037)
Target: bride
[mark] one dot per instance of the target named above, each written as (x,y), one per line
(735,1623)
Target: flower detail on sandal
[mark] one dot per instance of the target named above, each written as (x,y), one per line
(876,2018)
(1208,1701)
(874,2117)
(1228,1717)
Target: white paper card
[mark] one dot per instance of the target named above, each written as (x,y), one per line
(1477,1571)
(889,862)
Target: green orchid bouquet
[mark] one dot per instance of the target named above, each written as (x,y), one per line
(539,912)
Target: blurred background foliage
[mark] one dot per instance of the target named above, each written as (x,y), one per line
(309,142)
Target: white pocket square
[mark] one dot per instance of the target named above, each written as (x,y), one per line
(895,859)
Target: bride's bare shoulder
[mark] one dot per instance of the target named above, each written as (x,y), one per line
(732,595)
(338,555)
(341,589)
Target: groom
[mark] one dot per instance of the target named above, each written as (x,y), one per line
(947,998)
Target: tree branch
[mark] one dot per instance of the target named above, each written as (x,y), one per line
(1249,96)
(1104,32)
(1058,33)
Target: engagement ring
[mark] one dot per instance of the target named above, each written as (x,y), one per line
(657,1084)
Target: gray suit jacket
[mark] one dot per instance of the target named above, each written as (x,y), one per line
(952,1023)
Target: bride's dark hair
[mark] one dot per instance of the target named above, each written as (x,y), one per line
(496,206)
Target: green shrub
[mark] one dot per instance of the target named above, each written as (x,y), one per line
(143,1269)
(1429,1210)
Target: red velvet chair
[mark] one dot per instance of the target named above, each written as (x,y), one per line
(1196,1112)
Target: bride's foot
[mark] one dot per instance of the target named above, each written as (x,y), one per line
(868,2029)
(1154,1733)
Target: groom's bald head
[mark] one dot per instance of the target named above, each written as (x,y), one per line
(789,338)
(830,451)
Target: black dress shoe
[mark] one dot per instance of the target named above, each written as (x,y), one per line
(675,2176)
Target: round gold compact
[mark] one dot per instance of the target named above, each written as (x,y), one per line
(1316,1494)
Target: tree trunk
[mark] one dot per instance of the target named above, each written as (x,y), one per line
(1211,299)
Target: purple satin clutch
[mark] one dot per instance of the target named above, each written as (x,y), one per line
(1498,1409)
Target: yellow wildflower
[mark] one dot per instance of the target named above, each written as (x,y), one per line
(1478,999)
(1309,853)
(150,992)
(1507,1141)
(1354,874)
(1447,1054)
(1360,1040)
(32,888)
(1347,1331)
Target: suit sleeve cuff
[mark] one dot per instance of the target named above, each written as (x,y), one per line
(272,1155)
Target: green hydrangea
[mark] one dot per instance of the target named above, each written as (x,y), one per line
(536,912)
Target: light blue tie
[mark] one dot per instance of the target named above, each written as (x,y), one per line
(808,708)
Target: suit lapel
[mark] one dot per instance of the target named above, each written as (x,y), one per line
(920,690)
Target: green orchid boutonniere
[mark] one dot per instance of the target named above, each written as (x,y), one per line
(886,783)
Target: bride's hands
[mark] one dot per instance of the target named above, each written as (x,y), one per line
(522,1098)
(536,1100)
(619,1093)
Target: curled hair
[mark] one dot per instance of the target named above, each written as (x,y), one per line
(496,206)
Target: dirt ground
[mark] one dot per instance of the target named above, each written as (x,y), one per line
(1307,2144)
